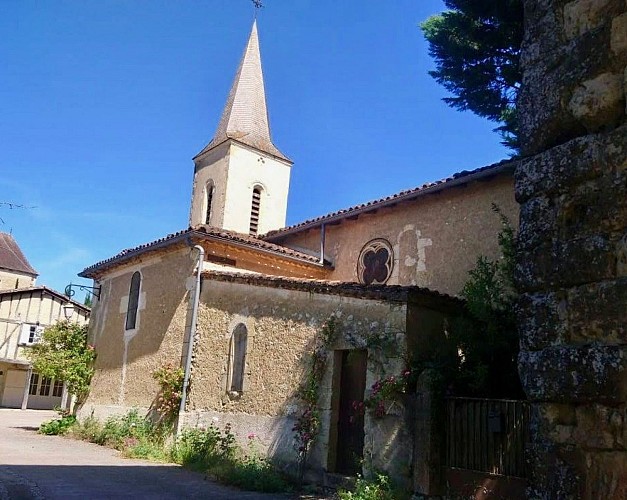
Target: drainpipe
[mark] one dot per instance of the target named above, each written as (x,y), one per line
(323,237)
(192,328)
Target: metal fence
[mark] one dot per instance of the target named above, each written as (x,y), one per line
(487,435)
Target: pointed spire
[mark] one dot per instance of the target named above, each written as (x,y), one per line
(245,115)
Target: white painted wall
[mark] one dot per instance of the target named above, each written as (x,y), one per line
(235,171)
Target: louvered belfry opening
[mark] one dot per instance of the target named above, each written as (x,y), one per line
(254,211)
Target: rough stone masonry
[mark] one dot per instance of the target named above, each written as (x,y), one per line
(572,255)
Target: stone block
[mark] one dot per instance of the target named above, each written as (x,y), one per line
(599,102)
(582,374)
(618,41)
(554,474)
(598,312)
(538,219)
(542,320)
(605,475)
(560,168)
(621,257)
(600,427)
(566,263)
(581,16)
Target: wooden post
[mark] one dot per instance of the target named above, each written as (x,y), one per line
(64,394)
(29,374)
(427,466)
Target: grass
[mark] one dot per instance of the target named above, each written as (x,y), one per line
(210,450)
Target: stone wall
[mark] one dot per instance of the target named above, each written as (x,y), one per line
(282,326)
(572,258)
(436,238)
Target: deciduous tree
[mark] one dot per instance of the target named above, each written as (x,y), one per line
(64,354)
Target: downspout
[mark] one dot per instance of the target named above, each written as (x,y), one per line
(192,329)
(323,237)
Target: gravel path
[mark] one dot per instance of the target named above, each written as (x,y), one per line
(33,466)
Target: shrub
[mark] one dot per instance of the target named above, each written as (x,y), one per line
(89,429)
(58,426)
(378,489)
(170,381)
(200,448)
(119,428)
(253,474)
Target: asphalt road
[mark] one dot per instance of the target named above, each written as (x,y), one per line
(39,467)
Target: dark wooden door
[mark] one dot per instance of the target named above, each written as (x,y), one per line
(350,425)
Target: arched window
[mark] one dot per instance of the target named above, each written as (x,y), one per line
(209,199)
(239,342)
(133,301)
(254,211)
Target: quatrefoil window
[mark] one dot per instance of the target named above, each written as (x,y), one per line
(375,262)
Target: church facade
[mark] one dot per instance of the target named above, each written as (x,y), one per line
(241,299)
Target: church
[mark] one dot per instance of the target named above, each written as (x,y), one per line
(239,300)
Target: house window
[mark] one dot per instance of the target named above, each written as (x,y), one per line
(44,388)
(30,334)
(34,380)
(239,342)
(209,197)
(57,389)
(133,301)
(254,211)
(376,261)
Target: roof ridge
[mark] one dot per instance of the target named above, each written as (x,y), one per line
(451,181)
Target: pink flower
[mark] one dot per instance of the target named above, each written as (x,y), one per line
(252,435)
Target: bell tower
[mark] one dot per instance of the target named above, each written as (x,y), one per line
(241,179)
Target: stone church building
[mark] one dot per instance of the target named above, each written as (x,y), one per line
(252,295)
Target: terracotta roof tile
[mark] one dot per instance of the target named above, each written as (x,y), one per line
(204,233)
(406,195)
(387,292)
(12,258)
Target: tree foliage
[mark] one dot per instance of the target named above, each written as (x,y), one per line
(64,354)
(476,47)
(488,349)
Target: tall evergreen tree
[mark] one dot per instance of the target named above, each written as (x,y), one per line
(476,47)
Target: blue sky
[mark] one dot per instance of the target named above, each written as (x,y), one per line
(105,102)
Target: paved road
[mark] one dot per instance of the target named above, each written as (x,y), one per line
(39,467)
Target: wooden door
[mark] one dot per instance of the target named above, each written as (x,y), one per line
(349,446)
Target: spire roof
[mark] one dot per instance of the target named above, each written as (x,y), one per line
(245,115)
(11,256)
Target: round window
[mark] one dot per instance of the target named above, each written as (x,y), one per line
(376,261)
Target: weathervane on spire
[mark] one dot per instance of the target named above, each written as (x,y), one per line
(258,4)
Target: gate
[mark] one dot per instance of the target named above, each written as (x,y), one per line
(487,435)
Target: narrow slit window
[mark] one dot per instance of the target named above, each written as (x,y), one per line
(133,301)
(239,343)
(254,211)
(209,197)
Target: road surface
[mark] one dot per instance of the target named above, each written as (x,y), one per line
(39,467)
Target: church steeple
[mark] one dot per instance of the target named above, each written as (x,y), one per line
(245,115)
(241,179)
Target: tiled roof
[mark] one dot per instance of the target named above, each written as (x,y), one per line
(407,195)
(377,292)
(12,258)
(204,233)
(245,115)
(47,290)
